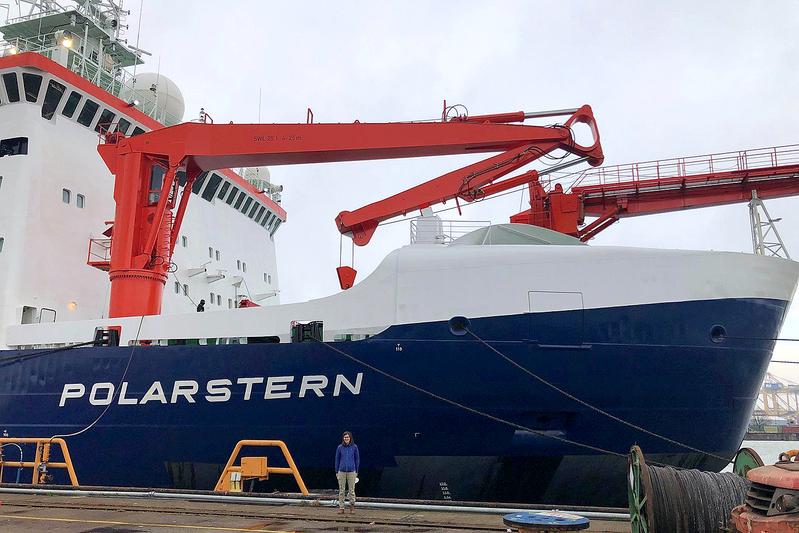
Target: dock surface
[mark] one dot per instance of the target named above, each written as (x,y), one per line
(91,514)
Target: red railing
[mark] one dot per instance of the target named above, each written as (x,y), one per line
(668,169)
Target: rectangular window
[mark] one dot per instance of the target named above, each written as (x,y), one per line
(260,214)
(55,91)
(244,266)
(198,183)
(267,219)
(223,190)
(246,205)
(14,146)
(269,280)
(185,289)
(217,255)
(88,112)
(177,287)
(218,300)
(12,89)
(105,122)
(254,210)
(238,264)
(210,252)
(229,300)
(240,199)
(184,241)
(232,196)
(72,104)
(212,299)
(264,277)
(156,183)
(213,185)
(66,195)
(123,126)
(278,222)
(2,242)
(80,201)
(32,83)
(136,131)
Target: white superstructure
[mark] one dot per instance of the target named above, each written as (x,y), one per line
(56,194)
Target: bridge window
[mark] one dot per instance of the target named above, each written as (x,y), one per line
(232,196)
(136,131)
(80,201)
(198,183)
(32,84)
(246,205)
(88,112)
(55,91)
(240,199)
(72,104)
(105,122)
(66,195)
(14,146)
(223,190)
(123,126)
(12,89)
(260,214)
(213,185)
(254,210)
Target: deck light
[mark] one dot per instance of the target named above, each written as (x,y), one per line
(72,305)
(133,103)
(66,40)
(13,51)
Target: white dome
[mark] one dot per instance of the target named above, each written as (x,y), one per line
(159,97)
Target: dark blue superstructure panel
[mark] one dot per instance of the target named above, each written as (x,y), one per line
(653,365)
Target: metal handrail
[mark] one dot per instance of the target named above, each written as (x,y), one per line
(223,485)
(741,160)
(41,461)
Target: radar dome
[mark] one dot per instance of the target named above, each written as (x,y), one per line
(158,97)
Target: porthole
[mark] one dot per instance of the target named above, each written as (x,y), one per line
(718,334)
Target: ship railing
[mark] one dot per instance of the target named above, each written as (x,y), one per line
(256,467)
(741,160)
(432,230)
(109,76)
(99,254)
(41,460)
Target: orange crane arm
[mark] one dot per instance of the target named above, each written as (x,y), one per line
(145,228)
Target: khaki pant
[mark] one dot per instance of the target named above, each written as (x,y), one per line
(347,478)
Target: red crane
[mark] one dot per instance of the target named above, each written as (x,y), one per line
(611,193)
(145,229)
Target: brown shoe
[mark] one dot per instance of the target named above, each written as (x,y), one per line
(340,510)
(352,509)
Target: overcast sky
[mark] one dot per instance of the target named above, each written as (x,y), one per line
(665,79)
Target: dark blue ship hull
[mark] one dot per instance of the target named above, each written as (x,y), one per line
(655,365)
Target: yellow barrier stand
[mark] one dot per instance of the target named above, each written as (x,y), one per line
(41,457)
(256,467)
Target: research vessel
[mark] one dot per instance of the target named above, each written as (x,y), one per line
(513,363)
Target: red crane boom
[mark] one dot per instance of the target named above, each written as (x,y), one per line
(145,229)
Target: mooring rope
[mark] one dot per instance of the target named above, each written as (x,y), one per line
(693,501)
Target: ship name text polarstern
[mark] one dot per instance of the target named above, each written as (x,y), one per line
(216,390)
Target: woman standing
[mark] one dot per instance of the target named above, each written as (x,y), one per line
(347,462)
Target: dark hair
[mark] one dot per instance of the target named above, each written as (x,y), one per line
(352,439)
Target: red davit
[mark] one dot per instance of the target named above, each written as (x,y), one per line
(156,170)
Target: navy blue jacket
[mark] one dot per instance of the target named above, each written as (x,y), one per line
(347,458)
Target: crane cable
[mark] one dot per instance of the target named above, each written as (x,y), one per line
(514,424)
(588,405)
